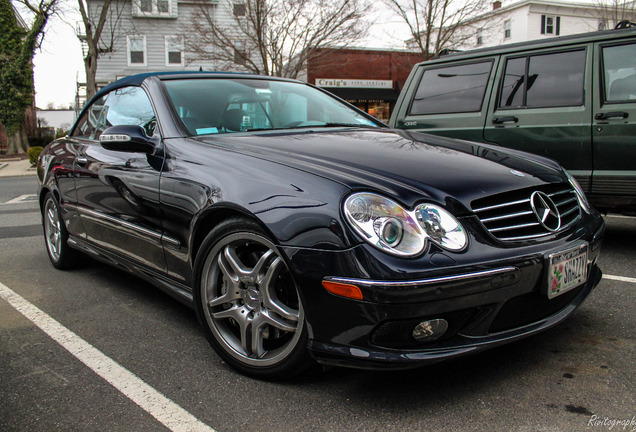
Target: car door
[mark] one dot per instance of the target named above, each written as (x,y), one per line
(614,130)
(542,107)
(118,191)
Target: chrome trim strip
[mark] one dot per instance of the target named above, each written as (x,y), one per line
(506,216)
(428,281)
(507,204)
(144,232)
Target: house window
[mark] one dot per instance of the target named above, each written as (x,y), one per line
(550,24)
(154,8)
(240,54)
(136,50)
(240,9)
(174,51)
(602,24)
(507,29)
(480,38)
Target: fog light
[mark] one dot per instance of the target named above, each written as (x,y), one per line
(430,330)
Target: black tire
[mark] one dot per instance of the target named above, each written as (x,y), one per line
(248,304)
(62,256)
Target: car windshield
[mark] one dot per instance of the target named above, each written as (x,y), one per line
(223,105)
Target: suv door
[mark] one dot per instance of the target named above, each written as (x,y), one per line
(118,192)
(541,107)
(449,99)
(614,131)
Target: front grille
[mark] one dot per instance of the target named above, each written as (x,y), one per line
(509,216)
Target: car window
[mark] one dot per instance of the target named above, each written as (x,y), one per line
(223,105)
(90,120)
(544,80)
(451,89)
(124,106)
(619,69)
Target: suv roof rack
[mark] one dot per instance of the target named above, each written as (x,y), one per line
(447,51)
(624,24)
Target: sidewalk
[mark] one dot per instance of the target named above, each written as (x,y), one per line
(16,168)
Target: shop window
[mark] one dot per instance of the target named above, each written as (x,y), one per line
(552,80)
(452,89)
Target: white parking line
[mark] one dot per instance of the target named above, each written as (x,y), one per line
(150,400)
(21,198)
(619,278)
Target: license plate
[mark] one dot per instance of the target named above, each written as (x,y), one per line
(568,269)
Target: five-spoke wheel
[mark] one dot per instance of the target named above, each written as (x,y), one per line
(56,236)
(248,301)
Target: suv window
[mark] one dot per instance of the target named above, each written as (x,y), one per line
(619,73)
(544,80)
(452,89)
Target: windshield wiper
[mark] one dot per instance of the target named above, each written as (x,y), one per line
(358,125)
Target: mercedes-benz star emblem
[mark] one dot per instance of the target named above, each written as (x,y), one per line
(546,211)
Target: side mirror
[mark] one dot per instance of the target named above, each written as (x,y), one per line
(127,138)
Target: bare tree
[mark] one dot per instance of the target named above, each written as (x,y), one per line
(612,12)
(435,24)
(101,28)
(275,37)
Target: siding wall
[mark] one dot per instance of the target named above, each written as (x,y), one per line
(110,66)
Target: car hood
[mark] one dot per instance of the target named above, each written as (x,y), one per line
(406,165)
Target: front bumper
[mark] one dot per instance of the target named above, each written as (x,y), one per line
(485,304)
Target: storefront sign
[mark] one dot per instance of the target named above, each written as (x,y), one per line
(354,83)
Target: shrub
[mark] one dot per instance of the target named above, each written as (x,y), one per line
(34,153)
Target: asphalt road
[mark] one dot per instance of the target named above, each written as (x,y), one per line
(578,376)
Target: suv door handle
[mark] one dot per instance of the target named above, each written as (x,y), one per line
(613,114)
(505,119)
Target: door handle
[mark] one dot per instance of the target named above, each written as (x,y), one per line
(81,160)
(613,114)
(505,119)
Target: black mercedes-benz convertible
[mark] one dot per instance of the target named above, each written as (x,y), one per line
(300,228)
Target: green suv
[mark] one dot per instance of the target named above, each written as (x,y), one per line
(571,98)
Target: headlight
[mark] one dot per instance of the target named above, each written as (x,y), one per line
(579,192)
(393,229)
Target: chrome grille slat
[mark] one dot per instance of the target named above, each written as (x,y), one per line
(501,205)
(513,227)
(510,217)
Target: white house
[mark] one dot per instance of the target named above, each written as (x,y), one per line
(529,20)
(151,35)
